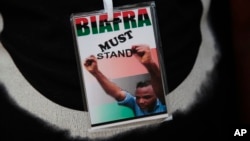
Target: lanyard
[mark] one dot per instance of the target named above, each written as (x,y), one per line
(108,8)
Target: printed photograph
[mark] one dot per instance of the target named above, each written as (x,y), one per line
(120,65)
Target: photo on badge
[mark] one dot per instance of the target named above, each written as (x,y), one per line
(121,65)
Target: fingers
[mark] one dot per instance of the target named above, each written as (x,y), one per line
(140,49)
(89,60)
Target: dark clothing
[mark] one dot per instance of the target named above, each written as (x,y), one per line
(38,36)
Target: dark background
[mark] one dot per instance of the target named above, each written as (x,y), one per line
(215,116)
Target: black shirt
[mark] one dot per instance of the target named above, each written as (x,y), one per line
(38,36)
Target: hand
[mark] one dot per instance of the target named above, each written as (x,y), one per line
(142,53)
(91,64)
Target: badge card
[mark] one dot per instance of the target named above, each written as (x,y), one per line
(121,66)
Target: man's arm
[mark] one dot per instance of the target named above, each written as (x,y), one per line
(108,86)
(143,54)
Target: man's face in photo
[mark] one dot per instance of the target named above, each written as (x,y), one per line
(145,97)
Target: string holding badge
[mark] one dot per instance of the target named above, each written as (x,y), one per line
(108,8)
